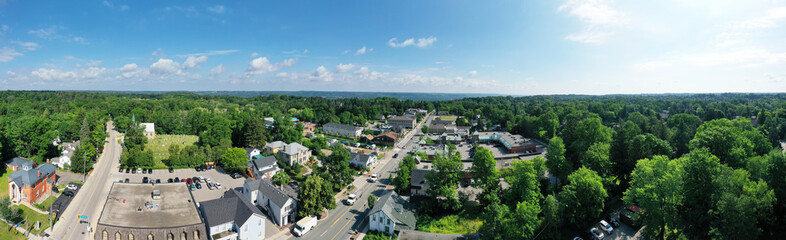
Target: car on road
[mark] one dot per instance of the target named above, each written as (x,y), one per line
(597,233)
(395,155)
(351,199)
(606,226)
(68,193)
(171,170)
(373,178)
(126,181)
(71,186)
(169,180)
(145,180)
(304,225)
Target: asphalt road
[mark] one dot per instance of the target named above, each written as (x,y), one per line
(343,220)
(89,201)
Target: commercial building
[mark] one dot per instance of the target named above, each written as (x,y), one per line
(386,139)
(391,214)
(28,184)
(279,203)
(401,122)
(233,217)
(342,130)
(146,211)
(512,143)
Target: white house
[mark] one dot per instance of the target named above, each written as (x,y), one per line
(342,130)
(391,213)
(251,152)
(362,159)
(280,203)
(65,154)
(264,167)
(233,217)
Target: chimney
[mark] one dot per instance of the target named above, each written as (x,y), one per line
(39,173)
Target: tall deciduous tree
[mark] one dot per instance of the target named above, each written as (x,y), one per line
(255,133)
(622,163)
(584,196)
(684,127)
(597,159)
(443,181)
(234,159)
(656,186)
(315,195)
(700,168)
(742,205)
(523,182)
(646,146)
(555,159)
(484,172)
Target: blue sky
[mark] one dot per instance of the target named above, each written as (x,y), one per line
(508,47)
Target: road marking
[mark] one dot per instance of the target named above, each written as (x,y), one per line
(88,202)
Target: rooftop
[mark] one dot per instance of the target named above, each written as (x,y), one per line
(149,127)
(398,209)
(230,208)
(24,177)
(132,205)
(342,126)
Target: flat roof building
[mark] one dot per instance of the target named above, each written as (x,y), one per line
(132,211)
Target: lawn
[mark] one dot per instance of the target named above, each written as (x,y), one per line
(448,118)
(33,216)
(4,185)
(466,221)
(44,206)
(9,233)
(160,146)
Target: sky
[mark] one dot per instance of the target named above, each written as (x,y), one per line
(516,47)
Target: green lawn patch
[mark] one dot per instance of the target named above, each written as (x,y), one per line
(466,221)
(160,146)
(77,182)
(8,233)
(44,206)
(4,184)
(448,118)
(32,216)
(374,235)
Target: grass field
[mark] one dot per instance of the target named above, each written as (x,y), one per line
(44,206)
(448,118)
(4,185)
(466,221)
(160,146)
(32,216)
(7,233)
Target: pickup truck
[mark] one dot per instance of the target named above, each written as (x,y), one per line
(304,225)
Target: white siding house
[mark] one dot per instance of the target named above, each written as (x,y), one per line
(391,213)
(280,203)
(233,217)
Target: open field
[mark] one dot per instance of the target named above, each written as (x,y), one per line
(7,233)
(4,185)
(32,216)
(448,118)
(160,145)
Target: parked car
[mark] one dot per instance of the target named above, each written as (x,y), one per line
(139,170)
(68,193)
(395,155)
(198,185)
(120,170)
(145,180)
(189,181)
(210,186)
(158,180)
(614,222)
(373,178)
(195,179)
(169,180)
(597,233)
(606,226)
(133,171)
(183,180)
(71,186)
(236,175)
(128,170)
(351,199)
(217,184)
(144,171)
(149,171)
(171,170)
(198,169)
(126,181)
(577,238)
(177,179)
(304,225)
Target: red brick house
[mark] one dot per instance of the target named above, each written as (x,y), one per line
(27,183)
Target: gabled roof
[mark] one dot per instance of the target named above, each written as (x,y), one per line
(149,127)
(19,162)
(361,157)
(276,195)
(249,150)
(418,177)
(230,208)
(294,148)
(260,163)
(398,209)
(391,135)
(401,118)
(276,144)
(341,126)
(29,177)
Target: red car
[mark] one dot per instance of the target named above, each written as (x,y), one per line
(189,181)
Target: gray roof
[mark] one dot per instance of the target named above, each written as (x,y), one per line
(18,162)
(397,209)
(341,126)
(231,207)
(401,118)
(249,150)
(264,162)
(28,178)
(418,177)
(294,148)
(276,144)
(362,157)
(275,194)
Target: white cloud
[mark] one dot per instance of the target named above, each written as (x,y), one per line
(254,54)
(131,70)
(8,54)
(3,29)
(218,9)
(165,66)
(92,72)
(363,50)
(421,42)
(769,20)
(209,53)
(218,70)
(45,33)
(80,40)
(305,51)
(344,67)
(598,12)
(112,6)
(589,37)
(473,73)
(262,65)
(193,61)
(52,74)
(322,74)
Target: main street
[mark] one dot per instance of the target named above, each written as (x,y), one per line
(89,201)
(343,220)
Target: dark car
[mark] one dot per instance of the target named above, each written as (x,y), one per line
(133,171)
(189,181)
(236,175)
(177,179)
(144,171)
(128,170)
(169,180)
(158,180)
(198,169)
(68,193)
(171,170)
(395,155)
(149,171)
(126,181)
(203,168)
(198,185)
(195,179)
(120,170)
(145,180)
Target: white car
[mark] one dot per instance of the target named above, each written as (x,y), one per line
(351,199)
(217,184)
(71,186)
(606,226)
(373,178)
(597,233)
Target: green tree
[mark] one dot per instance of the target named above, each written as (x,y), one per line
(646,146)
(555,159)
(725,140)
(485,173)
(700,168)
(742,206)
(494,217)
(656,186)
(523,182)
(618,151)
(588,132)
(371,200)
(315,195)
(281,178)
(424,129)
(775,171)
(443,180)
(551,217)
(684,127)
(255,133)
(234,159)
(83,158)
(523,221)
(7,212)
(547,125)
(404,173)
(597,159)
(584,196)
(337,164)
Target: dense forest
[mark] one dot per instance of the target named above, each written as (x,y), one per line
(699,166)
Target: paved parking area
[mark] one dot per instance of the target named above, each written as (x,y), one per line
(63,201)
(200,195)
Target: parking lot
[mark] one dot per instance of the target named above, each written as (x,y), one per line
(204,194)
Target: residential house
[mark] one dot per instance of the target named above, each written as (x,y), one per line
(418,184)
(402,122)
(273,147)
(308,127)
(65,155)
(294,153)
(18,163)
(264,167)
(269,122)
(391,214)
(149,130)
(27,183)
(386,138)
(342,130)
(280,203)
(233,217)
(250,152)
(362,160)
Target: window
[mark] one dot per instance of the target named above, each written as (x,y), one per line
(373,217)
(387,229)
(150,236)
(196,234)
(105,235)
(117,236)
(170,236)
(183,236)
(130,236)
(388,221)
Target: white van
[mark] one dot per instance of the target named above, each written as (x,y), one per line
(305,225)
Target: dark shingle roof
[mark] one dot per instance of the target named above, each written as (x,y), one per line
(364,158)
(418,177)
(231,207)
(18,162)
(397,209)
(275,194)
(264,162)
(341,126)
